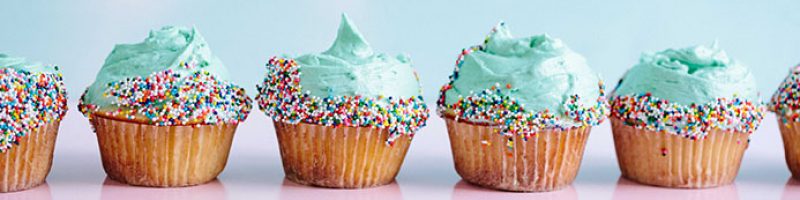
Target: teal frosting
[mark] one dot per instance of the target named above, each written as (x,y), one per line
(350,67)
(698,74)
(19,63)
(542,72)
(168,48)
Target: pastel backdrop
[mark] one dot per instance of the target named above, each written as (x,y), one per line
(78,35)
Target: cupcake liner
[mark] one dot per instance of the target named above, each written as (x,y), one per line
(548,161)
(339,157)
(668,160)
(27,165)
(162,156)
(790,131)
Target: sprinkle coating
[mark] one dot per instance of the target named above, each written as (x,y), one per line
(690,121)
(29,100)
(786,101)
(166,98)
(281,97)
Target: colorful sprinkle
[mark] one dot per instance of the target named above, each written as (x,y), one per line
(166,99)
(281,98)
(691,121)
(786,101)
(29,100)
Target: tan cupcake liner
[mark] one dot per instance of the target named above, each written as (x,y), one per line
(791,145)
(668,160)
(341,157)
(546,162)
(162,156)
(27,165)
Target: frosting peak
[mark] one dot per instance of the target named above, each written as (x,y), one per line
(351,68)
(349,42)
(501,42)
(690,59)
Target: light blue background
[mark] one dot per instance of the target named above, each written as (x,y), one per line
(78,35)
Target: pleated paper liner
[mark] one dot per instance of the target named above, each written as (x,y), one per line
(339,157)
(26,165)
(548,161)
(162,156)
(790,131)
(669,160)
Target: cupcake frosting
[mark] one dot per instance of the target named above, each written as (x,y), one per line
(698,74)
(785,102)
(533,82)
(347,85)
(350,67)
(688,92)
(178,49)
(33,94)
(169,79)
(22,64)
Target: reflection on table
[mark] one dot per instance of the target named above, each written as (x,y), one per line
(38,192)
(629,190)
(113,190)
(464,190)
(291,190)
(791,190)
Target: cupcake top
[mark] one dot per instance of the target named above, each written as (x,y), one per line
(33,94)
(347,85)
(350,67)
(527,83)
(786,101)
(22,64)
(688,91)
(169,79)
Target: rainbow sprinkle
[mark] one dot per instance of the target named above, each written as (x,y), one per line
(281,98)
(166,99)
(29,100)
(693,121)
(786,101)
(491,105)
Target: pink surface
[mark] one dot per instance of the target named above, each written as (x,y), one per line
(254,171)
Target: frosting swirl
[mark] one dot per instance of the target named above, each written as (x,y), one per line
(698,74)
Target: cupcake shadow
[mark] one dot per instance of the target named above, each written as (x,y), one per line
(629,190)
(115,190)
(291,190)
(39,192)
(467,191)
(791,190)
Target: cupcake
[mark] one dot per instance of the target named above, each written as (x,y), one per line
(34,100)
(786,105)
(682,118)
(519,111)
(164,110)
(347,120)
